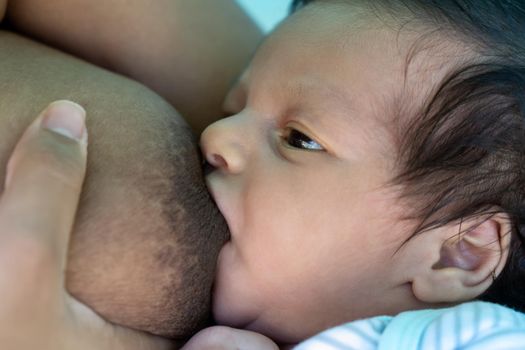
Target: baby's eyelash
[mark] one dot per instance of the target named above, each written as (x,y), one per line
(296,139)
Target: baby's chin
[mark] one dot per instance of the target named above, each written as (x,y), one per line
(236,303)
(231,304)
(230,311)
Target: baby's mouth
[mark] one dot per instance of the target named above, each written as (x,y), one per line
(213,184)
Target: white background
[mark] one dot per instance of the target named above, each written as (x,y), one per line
(266,13)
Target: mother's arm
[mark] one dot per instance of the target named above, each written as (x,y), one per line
(189,52)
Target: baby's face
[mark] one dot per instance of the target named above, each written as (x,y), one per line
(303,164)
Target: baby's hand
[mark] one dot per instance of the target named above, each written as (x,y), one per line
(226,338)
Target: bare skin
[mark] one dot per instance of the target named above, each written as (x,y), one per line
(409,280)
(194,73)
(303,177)
(189,52)
(127,121)
(37,211)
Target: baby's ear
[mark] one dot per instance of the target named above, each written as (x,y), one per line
(463,259)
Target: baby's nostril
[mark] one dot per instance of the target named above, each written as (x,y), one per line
(218,161)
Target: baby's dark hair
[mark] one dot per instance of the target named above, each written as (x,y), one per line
(463,154)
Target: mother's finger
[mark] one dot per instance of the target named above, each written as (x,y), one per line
(43,183)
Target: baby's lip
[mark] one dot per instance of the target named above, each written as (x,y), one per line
(216,198)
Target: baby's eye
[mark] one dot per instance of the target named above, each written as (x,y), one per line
(297,139)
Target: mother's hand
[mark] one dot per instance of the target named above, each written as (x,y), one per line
(37,210)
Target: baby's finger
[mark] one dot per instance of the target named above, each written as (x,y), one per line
(222,337)
(43,183)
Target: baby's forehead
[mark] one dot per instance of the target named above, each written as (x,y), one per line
(380,72)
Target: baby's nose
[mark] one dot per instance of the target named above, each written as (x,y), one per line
(222,146)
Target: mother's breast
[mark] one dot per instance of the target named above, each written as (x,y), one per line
(147,234)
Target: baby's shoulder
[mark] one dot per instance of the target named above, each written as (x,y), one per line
(470,326)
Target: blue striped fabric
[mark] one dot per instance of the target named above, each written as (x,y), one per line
(469,326)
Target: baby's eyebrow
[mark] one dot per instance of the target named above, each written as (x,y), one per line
(323,94)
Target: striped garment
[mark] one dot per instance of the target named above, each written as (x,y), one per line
(469,326)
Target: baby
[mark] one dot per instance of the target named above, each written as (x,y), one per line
(372,165)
